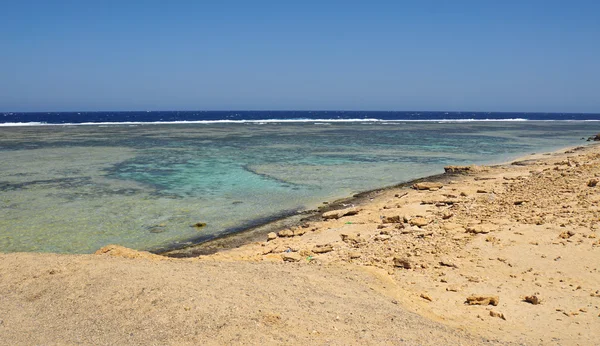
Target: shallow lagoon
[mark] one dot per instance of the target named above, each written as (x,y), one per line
(74,189)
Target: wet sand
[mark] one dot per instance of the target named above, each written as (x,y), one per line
(397,268)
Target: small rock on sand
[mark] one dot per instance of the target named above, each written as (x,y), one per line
(426,297)
(483,300)
(354,254)
(286,233)
(271,236)
(322,248)
(497,314)
(336,214)
(390,219)
(453,288)
(418,221)
(351,238)
(291,257)
(566,234)
(535,300)
(592,182)
(403,262)
(427,186)
(299,232)
(383,237)
(458,169)
(480,229)
(446,262)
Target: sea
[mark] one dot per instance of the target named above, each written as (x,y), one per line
(72,182)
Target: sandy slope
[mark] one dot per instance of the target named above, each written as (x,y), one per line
(397,271)
(105,300)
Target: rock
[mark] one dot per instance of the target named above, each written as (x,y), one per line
(447,215)
(400,195)
(438,202)
(423,234)
(594,138)
(592,182)
(453,288)
(322,248)
(291,257)
(299,232)
(426,297)
(535,300)
(385,231)
(457,169)
(566,234)
(286,233)
(428,186)
(530,162)
(336,214)
(351,238)
(448,263)
(271,236)
(199,225)
(418,221)
(382,237)
(480,229)
(519,202)
(403,262)
(354,254)
(497,314)
(483,300)
(391,219)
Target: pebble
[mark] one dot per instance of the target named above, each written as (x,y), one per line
(286,233)
(291,257)
(535,300)
(322,248)
(483,300)
(403,262)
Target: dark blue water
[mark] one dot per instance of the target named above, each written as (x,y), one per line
(211,116)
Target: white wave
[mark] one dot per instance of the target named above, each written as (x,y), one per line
(23,124)
(276,121)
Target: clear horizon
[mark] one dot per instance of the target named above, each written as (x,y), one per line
(295,110)
(526,57)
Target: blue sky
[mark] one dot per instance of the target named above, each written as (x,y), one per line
(302,55)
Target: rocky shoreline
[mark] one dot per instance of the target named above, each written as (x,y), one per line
(505,238)
(504,254)
(244,235)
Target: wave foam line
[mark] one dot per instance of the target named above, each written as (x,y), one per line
(275,121)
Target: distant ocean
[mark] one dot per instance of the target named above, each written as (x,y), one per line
(142,179)
(138,117)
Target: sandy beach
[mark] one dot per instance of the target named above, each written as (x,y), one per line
(505,254)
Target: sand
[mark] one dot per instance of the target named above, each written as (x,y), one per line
(522,238)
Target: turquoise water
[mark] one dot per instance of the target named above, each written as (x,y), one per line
(73,189)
